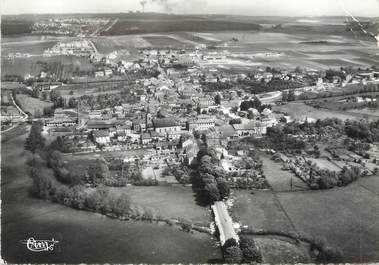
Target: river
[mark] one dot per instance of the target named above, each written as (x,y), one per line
(84,237)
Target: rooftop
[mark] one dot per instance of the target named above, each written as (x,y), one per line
(164,122)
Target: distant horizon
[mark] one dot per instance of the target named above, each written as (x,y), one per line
(274,8)
(178,14)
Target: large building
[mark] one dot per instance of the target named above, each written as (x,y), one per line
(61,119)
(165,125)
(249,129)
(201,123)
(101,137)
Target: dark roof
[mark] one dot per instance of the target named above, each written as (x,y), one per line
(91,124)
(164,122)
(100,134)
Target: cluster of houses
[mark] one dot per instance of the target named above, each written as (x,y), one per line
(165,120)
(172,107)
(79,26)
(80,47)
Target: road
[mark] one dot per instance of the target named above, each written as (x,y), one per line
(224,222)
(25,116)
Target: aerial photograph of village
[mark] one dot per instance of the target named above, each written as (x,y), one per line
(203,132)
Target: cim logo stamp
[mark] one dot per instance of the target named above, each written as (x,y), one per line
(39,245)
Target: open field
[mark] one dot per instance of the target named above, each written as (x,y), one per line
(300,111)
(366,111)
(153,173)
(33,48)
(259,211)
(324,164)
(280,180)
(346,218)
(191,23)
(316,56)
(164,41)
(61,66)
(32,105)
(325,51)
(169,202)
(130,42)
(276,250)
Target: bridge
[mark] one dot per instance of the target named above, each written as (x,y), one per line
(224,222)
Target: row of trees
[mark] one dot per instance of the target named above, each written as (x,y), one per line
(181,175)
(362,130)
(255,103)
(97,172)
(366,132)
(277,139)
(210,182)
(329,179)
(35,141)
(288,96)
(246,252)
(99,200)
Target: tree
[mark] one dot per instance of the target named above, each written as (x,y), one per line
(235,121)
(44,95)
(327,181)
(72,103)
(42,185)
(94,201)
(35,140)
(122,205)
(231,242)
(284,95)
(249,250)
(223,188)
(204,138)
(298,70)
(35,93)
(98,172)
(213,192)
(291,95)
(48,111)
(218,99)
(54,95)
(233,255)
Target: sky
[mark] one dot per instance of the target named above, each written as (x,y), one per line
(234,7)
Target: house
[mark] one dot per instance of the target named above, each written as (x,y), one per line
(101,137)
(95,114)
(46,86)
(175,135)
(126,129)
(139,125)
(108,72)
(146,138)
(61,119)
(248,129)
(166,148)
(205,103)
(164,125)
(93,125)
(121,136)
(99,74)
(201,123)
(112,132)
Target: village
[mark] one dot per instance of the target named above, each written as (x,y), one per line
(173,101)
(240,146)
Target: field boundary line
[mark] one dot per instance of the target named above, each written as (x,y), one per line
(285,213)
